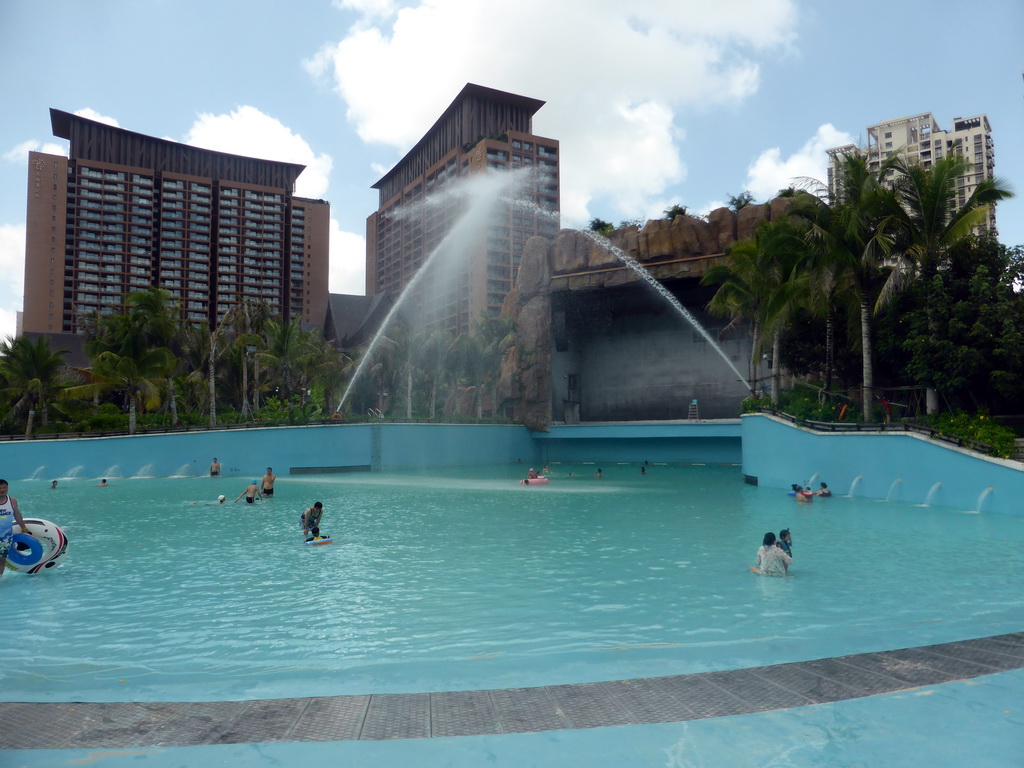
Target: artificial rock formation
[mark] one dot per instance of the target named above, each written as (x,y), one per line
(576,261)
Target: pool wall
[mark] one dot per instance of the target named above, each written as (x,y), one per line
(684,442)
(899,466)
(334,448)
(903,467)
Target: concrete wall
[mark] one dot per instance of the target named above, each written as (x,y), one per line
(672,443)
(778,454)
(248,452)
(635,358)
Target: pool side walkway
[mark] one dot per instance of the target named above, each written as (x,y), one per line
(677,698)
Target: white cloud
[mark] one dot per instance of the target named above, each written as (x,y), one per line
(771,172)
(369,8)
(91,114)
(12,264)
(618,78)
(19,152)
(348,261)
(248,131)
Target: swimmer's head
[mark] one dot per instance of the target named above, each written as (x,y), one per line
(769,539)
(784,534)
(222,497)
(318,504)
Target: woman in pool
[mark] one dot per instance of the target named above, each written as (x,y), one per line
(770,559)
(824,491)
(311,517)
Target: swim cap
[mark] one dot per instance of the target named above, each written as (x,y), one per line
(221,497)
(254,482)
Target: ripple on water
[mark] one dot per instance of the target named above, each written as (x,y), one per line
(441,581)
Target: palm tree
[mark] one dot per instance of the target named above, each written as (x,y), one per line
(139,377)
(249,321)
(153,322)
(464,360)
(496,335)
(32,373)
(430,349)
(929,222)
(286,347)
(328,367)
(759,283)
(851,253)
(742,294)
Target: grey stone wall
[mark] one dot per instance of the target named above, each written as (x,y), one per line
(596,343)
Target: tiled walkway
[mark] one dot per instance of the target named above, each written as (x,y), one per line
(515,710)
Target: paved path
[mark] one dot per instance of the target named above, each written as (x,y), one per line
(71,725)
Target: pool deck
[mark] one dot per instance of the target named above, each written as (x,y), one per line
(376,717)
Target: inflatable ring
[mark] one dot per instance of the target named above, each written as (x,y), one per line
(23,541)
(41,551)
(319,542)
(337,417)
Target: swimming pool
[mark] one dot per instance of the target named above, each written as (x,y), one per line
(463,580)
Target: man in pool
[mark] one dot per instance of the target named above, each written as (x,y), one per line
(251,493)
(9,514)
(215,468)
(267,483)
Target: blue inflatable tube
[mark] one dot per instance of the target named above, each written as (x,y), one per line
(18,557)
(43,550)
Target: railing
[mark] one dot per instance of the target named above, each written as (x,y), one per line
(897,426)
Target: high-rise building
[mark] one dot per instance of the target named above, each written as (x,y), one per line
(126,211)
(922,141)
(482,131)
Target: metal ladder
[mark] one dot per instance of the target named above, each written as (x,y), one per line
(693,415)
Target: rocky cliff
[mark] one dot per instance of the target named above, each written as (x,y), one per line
(577,261)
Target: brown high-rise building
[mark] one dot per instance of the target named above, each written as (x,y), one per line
(126,211)
(483,130)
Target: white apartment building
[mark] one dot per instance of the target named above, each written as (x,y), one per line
(923,141)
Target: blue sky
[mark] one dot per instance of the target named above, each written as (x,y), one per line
(655,102)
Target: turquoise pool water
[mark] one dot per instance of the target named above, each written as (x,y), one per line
(457,580)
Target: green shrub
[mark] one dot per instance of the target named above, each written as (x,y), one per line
(978,426)
(806,404)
